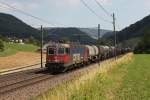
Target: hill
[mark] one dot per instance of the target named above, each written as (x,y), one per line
(132,33)
(93,32)
(10,26)
(69,34)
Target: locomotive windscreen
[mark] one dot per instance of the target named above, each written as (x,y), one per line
(61,51)
(51,51)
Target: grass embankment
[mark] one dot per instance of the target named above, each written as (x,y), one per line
(124,79)
(11,49)
(125,82)
(136,83)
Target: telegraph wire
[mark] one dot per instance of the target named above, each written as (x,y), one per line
(47,22)
(90,9)
(27,14)
(101,6)
(118,26)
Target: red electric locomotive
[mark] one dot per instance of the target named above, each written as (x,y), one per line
(61,57)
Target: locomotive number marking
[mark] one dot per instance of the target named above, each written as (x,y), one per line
(76,57)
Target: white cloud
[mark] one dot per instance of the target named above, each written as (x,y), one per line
(34,4)
(25,6)
(4,8)
(62,3)
(18,4)
(77,2)
(147,2)
(73,2)
(105,2)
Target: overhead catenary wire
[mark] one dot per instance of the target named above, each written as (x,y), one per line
(90,9)
(118,26)
(101,6)
(27,14)
(46,21)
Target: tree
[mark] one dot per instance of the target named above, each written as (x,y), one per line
(104,41)
(33,41)
(3,38)
(1,45)
(64,40)
(144,45)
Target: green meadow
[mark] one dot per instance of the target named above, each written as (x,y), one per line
(125,82)
(136,83)
(125,79)
(11,49)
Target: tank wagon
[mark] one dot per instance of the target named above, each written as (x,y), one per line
(62,57)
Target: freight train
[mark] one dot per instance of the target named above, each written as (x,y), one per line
(62,57)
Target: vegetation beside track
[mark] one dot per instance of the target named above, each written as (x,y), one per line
(11,49)
(125,82)
(18,56)
(136,83)
(110,81)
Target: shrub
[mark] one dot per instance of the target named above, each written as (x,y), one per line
(1,46)
(143,46)
(3,38)
(33,41)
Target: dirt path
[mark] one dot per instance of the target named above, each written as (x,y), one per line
(20,59)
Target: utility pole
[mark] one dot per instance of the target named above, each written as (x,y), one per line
(79,38)
(99,34)
(115,38)
(41,46)
(99,41)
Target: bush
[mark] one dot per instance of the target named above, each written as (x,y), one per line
(33,41)
(3,38)
(1,46)
(143,46)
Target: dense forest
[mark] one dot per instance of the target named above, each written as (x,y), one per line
(11,26)
(144,44)
(132,34)
(68,34)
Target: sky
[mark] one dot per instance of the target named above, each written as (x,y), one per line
(72,13)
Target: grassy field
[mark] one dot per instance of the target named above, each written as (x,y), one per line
(11,49)
(125,82)
(136,83)
(128,78)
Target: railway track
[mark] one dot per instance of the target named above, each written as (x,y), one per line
(18,80)
(9,81)
(20,69)
(33,82)
(22,81)
(13,81)
(18,74)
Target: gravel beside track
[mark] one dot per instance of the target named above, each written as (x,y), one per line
(13,86)
(37,83)
(35,87)
(10,79)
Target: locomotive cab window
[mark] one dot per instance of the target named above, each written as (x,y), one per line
(51,51)
(61,51)
(67,51)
